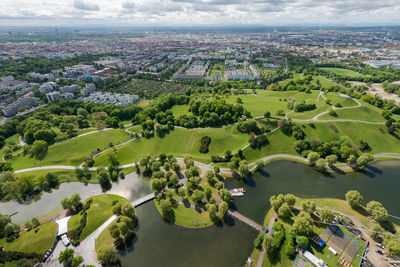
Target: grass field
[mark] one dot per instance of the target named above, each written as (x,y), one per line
(64,176)
(100,210)
(104,239)
(379,140)
(178,110)
(188,217)
(362,113)
(344,101)
(30,241)
(344,72)
(180,142)
(72,152)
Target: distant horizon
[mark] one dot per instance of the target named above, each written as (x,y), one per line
(172,13)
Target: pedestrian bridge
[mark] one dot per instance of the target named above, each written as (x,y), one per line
(143,199)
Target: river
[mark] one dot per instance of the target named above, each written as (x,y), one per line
(162,244)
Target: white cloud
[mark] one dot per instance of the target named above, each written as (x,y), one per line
(198,12)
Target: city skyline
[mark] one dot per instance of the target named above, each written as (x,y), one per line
(198,13)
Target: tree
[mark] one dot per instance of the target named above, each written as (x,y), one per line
(289,250)
(267,114)
(107,254)
(116,209)
(364,160)
(269,244)
(223,208)
(392,246)
(376,229)
(308,206)
(290,200)
(302,241)
(276,201)
(331,159)
(354,198)
(66,203)
(244,169)
(326,215)
(39,149)
(351,160)
(114,231)
(66,255)
(212,211)
(9,229)
(284,210)
(76,201)
(166,208)
(76,261)
(197,196)
(4,220)
(35,222)
(312,157)
(259,164)
(320,165)
(377,211)
(302,224)
(128,210)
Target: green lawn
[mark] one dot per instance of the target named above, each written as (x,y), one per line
(379,141)
(100,211)
(178,110)
(30,241)
(362,113)
(104,239)
(344,101)
(344,72)
(188,217)
(180,142)
(74,151)
(64,176)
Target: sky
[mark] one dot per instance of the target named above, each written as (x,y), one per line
(199,12)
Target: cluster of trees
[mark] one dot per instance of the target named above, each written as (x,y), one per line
(289,127)
(67,258)
(204,143)
(391,88)
(383,229)
(301,107)
(24,187)
(352,160)
(297,84)
(211,113)
(122,230)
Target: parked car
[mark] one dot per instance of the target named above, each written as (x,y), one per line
(379,251)
(65,240)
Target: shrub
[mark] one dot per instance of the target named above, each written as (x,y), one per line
(205,142)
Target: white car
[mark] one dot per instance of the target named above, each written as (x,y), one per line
(65,240)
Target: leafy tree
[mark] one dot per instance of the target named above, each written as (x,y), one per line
(223,208)
(76,261)
(212,211)
(312,157)
(35,222)
(114,231)
(197,196)
(277,201)
(377,211)
(39,149)
(107,254)
(259,240)
(244,169)
(9,229)
(354,198)
(351,160)
(364,160)
(284,210)
(4,220)
(166,208)
(269,244)
(66,255)
(290,200)
(289,250)
(320,165)
(128,210)
(331,159)
(259,165)
(376,229)
(302,224)
(326,215)
(308,206)
(302,241)
(392,246)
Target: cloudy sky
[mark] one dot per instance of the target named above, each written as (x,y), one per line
(198,12)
